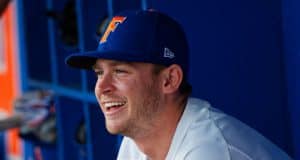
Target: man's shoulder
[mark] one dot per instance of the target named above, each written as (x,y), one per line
(209,130)
(197,134)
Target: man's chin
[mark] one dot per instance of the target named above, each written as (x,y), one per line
(113,132)
(113,129)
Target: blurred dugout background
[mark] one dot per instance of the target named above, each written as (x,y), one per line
(245,60)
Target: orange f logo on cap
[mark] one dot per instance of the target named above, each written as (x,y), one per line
(112,26)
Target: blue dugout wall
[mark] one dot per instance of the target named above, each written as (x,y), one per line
(244,60)
(291,32)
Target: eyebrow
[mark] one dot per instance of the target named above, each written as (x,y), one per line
(114,63)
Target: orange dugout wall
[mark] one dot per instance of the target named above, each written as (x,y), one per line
(9,76)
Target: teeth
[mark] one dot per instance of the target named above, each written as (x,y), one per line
(112,104)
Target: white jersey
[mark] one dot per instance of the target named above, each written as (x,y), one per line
(205,133)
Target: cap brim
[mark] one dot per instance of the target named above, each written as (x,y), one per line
(86,60)
(81,60)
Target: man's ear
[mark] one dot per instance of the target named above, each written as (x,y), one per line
(172,78)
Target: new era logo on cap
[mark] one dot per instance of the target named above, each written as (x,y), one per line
(168,53)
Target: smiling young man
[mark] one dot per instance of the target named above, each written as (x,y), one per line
(137,100)
(142,64)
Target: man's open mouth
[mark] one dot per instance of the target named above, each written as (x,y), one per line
(111,106)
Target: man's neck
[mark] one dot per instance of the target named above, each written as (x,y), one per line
(156,143)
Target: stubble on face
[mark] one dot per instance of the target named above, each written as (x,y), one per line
(143,110)
(145,113)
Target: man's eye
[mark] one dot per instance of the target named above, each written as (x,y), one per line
(98,73)
(120,71)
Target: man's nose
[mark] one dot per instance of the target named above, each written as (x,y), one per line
(105,83)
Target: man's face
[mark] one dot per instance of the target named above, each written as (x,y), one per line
(129,95)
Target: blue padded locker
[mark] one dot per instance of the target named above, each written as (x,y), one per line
(36,39)
(100,144)
(64,75)
(44,45)
(69,116)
